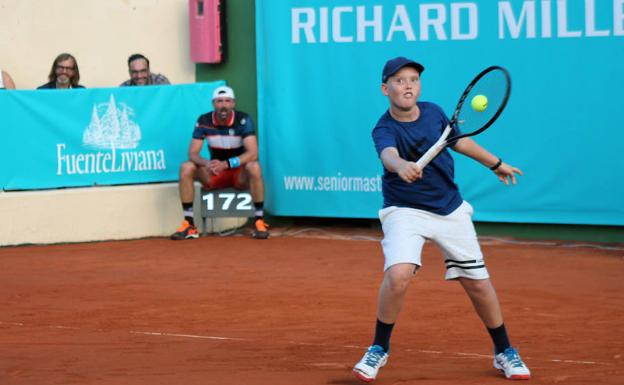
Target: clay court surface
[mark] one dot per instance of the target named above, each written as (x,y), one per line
(296,309)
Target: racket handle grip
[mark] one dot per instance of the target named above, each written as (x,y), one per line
(434,150)
(431,153)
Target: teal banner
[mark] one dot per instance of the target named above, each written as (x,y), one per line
(103,136)
(319,78)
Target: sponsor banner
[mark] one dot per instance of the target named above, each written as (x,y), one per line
(319,79)
(100,136)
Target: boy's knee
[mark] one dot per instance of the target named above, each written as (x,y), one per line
(398,282)
(476,286)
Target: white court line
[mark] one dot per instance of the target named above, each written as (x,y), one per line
(474,355)
(581,362)
(190,336)
(221,338)
(477,355)
(46,326)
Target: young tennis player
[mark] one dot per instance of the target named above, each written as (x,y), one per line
(426,204)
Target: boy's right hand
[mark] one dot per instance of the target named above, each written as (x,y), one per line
(410,172)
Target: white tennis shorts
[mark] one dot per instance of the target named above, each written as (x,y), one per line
(406,229)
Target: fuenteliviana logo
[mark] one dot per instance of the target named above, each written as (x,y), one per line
(111,127)
(113,132)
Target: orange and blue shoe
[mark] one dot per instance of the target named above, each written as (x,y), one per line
(185,231)
(261,230)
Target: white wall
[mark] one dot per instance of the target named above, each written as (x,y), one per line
(98,214)
(101,34)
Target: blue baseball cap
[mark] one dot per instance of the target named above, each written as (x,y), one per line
(394,65)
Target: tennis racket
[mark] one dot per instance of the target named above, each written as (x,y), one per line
(493,83)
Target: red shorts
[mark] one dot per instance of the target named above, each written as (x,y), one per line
(227,178)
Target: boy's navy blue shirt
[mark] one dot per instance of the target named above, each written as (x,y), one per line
(436,192)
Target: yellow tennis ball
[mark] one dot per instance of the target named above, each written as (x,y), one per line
(479,103)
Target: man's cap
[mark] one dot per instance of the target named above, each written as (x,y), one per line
(223,92)
(394,65)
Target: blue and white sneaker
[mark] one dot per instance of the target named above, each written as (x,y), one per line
(374,359)
(510,363)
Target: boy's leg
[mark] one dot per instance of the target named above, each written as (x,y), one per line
(404,232)
(390,301)
(404,237)
(485,302)
(392,291)
(456,236)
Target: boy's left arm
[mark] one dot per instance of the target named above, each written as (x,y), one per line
(503,171)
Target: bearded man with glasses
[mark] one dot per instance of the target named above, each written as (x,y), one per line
(64,73)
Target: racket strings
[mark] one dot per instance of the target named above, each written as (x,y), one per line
(494,85)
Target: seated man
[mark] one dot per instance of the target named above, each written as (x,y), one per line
(233,161)
(140,74)
(64,73)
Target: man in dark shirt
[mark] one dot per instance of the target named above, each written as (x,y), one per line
(233,161)
(64,73)
(140,74)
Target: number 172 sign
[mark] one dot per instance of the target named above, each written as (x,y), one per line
(226,203)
